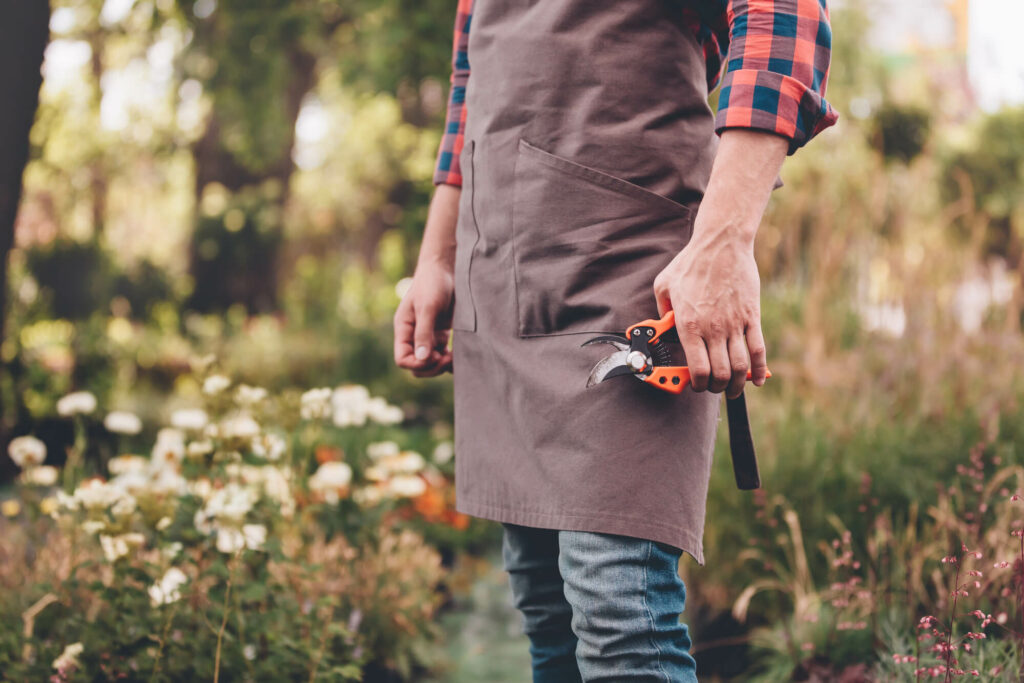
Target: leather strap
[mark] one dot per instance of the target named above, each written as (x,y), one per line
(741,444)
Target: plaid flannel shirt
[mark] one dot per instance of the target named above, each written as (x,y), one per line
(778,54)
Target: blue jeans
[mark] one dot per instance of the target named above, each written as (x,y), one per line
(599,607)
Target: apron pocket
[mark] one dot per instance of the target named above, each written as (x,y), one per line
(466,237)
(587,246)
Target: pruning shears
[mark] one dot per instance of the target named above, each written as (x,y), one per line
(645,353)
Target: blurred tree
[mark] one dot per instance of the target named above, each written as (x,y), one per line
(24,32)
(900,132)
(988,174)
(258,61)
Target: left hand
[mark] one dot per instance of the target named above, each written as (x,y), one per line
(714,288)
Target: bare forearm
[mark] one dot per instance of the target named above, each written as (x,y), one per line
(742,178)
(438,245)
(713,284)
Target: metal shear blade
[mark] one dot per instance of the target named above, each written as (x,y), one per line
(621,343)
(607,365)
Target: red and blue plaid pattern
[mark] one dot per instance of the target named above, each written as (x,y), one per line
(778,58)
(447,167)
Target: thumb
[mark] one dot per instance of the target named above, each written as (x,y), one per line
(423,337)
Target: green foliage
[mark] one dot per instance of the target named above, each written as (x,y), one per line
(397,42)
(900,132)
(235,247)
(987,174)
(76,278)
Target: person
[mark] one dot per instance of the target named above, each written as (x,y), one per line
(580,188)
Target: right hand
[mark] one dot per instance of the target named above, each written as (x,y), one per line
(423,322)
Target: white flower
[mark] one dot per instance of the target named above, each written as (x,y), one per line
(198,449)
(168,588)
(255,536)
(444,452)
(171,550)
(330,480)
(200,488)
(368,496)
(116,547)
(96,494)
(203,521)
(277,487)
(169,448)
(407,485)
(135,482)
(350,404)
(124,507)
(163,523)
(230,540)
(247,396)
(382,449)
(93,526)
(376,473)
(270,446)
(167,482)
(69,657)
(240,426)
(66,502)
(121,422)
(189,418)
(316,404)
(249,652)
(378,410)
(231,502)
(44,475)
(27,451)
(77,403)
(409,462)
(215,384)
(123,464)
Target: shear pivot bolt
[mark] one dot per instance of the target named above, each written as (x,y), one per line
(636,360)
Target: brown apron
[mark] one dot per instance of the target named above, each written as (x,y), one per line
(588,147)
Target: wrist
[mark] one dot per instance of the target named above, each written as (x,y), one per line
(442,260)
(723,230)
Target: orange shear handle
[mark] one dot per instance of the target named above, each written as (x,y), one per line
(671,378)
(667,322)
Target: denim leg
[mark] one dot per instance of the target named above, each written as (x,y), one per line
(626,597)
(530,557)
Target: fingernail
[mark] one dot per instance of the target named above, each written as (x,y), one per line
(422,352)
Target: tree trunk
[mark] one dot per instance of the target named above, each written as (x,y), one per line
(24,33)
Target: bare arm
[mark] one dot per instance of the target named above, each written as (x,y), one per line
(423,318)
(713,283)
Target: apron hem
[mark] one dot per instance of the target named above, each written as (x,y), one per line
(593,522)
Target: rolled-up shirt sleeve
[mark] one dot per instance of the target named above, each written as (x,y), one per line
(777,68)
(447,170)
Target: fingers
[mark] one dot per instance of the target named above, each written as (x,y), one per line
(440,360)
(696,353)
(404,325)
(721,371)
(423,337)
(739,365)
(758,355)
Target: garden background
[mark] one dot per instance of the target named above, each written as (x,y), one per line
(213,471)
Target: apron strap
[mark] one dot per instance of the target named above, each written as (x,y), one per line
(741,444)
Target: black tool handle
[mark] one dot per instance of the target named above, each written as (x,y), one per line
(741,444)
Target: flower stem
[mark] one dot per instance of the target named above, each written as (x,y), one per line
(224,620)
(952,621)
